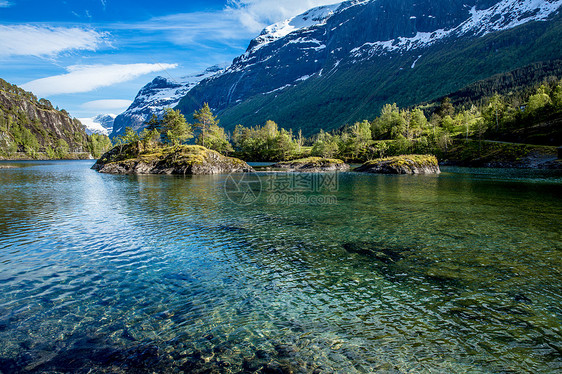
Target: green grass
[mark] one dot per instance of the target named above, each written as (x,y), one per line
(171,155)
(314,161)
(417,160)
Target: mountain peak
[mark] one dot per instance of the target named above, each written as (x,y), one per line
(313,17)
(158,95)
(332,57)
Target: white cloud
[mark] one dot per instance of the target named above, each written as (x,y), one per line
(254,15)
(5,4)
(27,40)
(86,78)
(105,106)
(192,29)
(239,21)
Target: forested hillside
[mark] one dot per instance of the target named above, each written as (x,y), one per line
(350,63)
(33,128)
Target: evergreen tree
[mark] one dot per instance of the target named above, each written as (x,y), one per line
(204,118)
(538,101)
(446,108)
(175,127)
(217,140)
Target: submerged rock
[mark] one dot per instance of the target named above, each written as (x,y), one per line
(183,159)
(405,164)
(313,165)
(378,251)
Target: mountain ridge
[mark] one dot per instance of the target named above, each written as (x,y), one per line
(157,95)
(297,67)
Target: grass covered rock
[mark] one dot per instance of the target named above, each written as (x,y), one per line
(405,164)
(313,164)
(179,159)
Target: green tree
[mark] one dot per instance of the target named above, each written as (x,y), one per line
(266,143)
(175,127)
(204,118)
(61,148)
(538,101)
(98,144)
(153,123)
(217,140)
(445,108)
(494,112)
(418,123)
(557,96)
(389,118)
(480,128)
(447,123)
(149,138)
(130,136)
(380,148)
(325,145)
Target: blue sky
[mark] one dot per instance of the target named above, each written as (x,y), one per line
(92,56)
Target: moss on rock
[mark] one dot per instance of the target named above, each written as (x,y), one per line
(404,164)
(182,159)
(313,164)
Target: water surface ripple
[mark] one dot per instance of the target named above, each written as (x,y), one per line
(405,274)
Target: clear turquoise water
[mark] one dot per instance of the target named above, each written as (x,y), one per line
(460,272)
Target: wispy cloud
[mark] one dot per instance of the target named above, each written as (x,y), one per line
(105,106)
(255,14)
(86,78)
(192,29)
(26,40)
(5,4)
(236,24)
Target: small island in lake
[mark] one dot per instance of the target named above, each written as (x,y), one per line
(176,159)
(405,164)
(313,164)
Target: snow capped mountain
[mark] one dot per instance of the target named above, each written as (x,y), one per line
(100,124)
(502,16)
(312,17)
(319,63)
(158,95)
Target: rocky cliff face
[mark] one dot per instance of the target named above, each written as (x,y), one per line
(29,124)
(336,64)
(156,96)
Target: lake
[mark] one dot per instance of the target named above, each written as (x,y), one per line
(345,273)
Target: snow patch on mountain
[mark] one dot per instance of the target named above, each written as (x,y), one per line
(158,95)
(508,14)
(164,93)
(502,16)
(100,124)
(314,17)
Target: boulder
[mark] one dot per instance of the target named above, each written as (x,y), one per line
(313,165)
(405,164)
(183,159)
